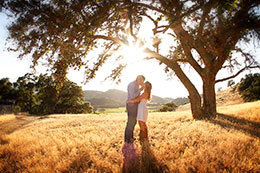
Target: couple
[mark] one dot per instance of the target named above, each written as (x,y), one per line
(136,107)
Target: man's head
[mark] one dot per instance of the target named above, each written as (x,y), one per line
(140,79)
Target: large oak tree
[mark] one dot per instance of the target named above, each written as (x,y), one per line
(205,33)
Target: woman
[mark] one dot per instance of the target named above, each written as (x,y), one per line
(142,112)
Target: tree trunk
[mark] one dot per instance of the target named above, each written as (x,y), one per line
(195,102)
(209,96)
(194,96)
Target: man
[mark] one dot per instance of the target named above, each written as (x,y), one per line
(133,92)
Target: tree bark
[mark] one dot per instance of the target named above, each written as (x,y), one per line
(196,109)
(209,96)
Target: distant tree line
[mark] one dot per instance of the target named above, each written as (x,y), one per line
(41,95)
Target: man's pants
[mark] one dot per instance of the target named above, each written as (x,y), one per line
(131,121)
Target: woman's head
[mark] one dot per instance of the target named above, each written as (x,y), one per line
(148,88)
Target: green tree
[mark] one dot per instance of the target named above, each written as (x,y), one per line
(249,87)
(47,95)
(205,35)
(68,97)
(25,89)
(42,95)
(7,91)
(71,99)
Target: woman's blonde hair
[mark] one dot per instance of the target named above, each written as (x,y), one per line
(147,89)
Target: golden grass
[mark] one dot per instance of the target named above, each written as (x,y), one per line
(6,117)
(249,110)
(94,143)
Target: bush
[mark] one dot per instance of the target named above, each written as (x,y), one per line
(249,87)
(17,109)
(87,108)
(168,107)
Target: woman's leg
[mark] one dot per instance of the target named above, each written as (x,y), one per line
(142,125)
(143,130)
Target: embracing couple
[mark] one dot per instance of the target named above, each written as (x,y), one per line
(139,92)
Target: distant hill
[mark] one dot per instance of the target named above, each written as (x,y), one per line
(89,94)
(180,101)
(116,98)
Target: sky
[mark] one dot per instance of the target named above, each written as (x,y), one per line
(12,68)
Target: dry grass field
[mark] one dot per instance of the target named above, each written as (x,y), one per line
(94,143)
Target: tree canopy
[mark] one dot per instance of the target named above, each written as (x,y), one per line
(6,90)
(205,35)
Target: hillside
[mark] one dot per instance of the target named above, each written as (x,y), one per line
(225,97)
(228,97)
(94,143)
(116,98)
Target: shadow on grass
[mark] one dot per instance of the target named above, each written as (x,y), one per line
(146,162)
(84,163)
(131,159)
(10,126)
(11,161)
(149,163)
(227,121)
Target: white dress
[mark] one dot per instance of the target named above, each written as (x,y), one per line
(142,112)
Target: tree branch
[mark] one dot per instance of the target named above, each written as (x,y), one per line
(150,7)
(240,71)
(131,22)
(204,15)
(172,64)
(115,40)
(230,34)
(186,40)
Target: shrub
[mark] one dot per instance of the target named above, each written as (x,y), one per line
(168,107)
(17,109)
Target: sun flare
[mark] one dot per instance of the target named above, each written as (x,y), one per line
(132,53)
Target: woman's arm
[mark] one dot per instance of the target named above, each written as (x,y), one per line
(138,99)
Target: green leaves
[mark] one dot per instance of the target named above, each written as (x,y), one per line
(249,87)
(159,18)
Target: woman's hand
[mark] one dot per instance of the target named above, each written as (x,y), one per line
(142,87)
(128,101)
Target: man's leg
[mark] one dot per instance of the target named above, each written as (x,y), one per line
(131,122)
